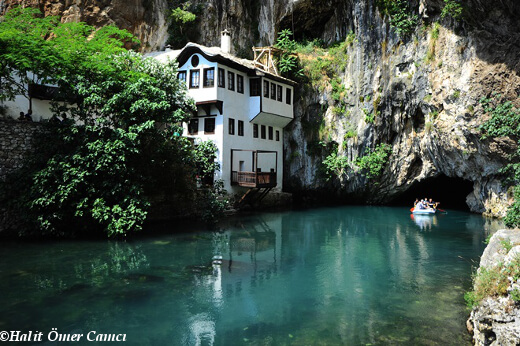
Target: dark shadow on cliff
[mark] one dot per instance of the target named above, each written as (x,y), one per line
(451,192)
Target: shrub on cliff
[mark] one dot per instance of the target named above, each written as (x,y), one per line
(505,121)
(375,161)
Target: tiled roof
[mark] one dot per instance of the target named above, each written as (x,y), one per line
(218,54)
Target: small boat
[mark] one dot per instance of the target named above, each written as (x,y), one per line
(429,211)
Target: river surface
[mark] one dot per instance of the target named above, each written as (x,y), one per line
(331,276)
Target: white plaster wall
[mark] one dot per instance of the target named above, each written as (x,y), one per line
(238,106)
(276,107)
(40,108)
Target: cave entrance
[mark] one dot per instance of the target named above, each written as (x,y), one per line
(451,192)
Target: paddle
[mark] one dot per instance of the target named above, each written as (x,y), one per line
(442,211)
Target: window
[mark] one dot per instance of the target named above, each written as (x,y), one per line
(273,91)
(288,96)
(194,78)
(231,126)
(266,88)
(221,78)
(240,84)
(254,87)
(182,76)
(262,132)
(255,130)
(279,93)
(209,125)
(231,80)
(270,132)
(240,128)
(209,77)
(277,135)
(193,126)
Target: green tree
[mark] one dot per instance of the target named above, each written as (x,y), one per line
(25,55)
(288,61)
(98,171)
(183,18)
(401,16)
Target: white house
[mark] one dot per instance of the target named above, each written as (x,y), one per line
(241,107)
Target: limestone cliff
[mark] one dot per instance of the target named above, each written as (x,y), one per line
(427,88)
(418,92)
(146,19)
(421,90)
(495,321)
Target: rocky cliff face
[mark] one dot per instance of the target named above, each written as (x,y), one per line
(495,321)
(423,91)
(419,93)
(146,19)
(427,87)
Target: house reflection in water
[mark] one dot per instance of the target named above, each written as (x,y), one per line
(245,259)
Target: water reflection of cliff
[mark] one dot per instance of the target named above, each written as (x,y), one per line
(344,269)
(352,275)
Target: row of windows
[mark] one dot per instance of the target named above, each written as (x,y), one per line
(275,91)
(208,79)
(209,128)
(271,90)
(263,132)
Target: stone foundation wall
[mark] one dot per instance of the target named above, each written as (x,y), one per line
(16,141)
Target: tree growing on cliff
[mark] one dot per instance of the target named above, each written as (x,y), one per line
(99,171)
(183,19)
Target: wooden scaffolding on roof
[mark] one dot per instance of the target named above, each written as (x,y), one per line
(267,58)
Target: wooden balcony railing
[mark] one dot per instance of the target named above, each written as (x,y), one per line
(252,179)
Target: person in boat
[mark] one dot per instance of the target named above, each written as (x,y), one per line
(420,205)
(433,204)
(415,203)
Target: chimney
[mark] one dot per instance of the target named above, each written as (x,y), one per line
(225,41)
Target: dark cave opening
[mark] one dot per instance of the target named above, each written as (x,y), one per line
(451,192)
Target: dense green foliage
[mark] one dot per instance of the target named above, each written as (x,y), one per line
(288,63)
(183,19)
(320,65)
(401,16)
(493,282)
(374,162)
(28,49)
(119,142)
(505,121)
(452,8)
(335,165)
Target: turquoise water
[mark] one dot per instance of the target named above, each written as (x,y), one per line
(338,276)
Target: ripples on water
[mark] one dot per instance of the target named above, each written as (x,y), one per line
(338,276)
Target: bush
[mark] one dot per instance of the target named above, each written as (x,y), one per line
(401,17)
(374,162)
(492,282)
(505,121)
(452,8)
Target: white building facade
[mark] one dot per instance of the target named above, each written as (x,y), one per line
(241,108)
